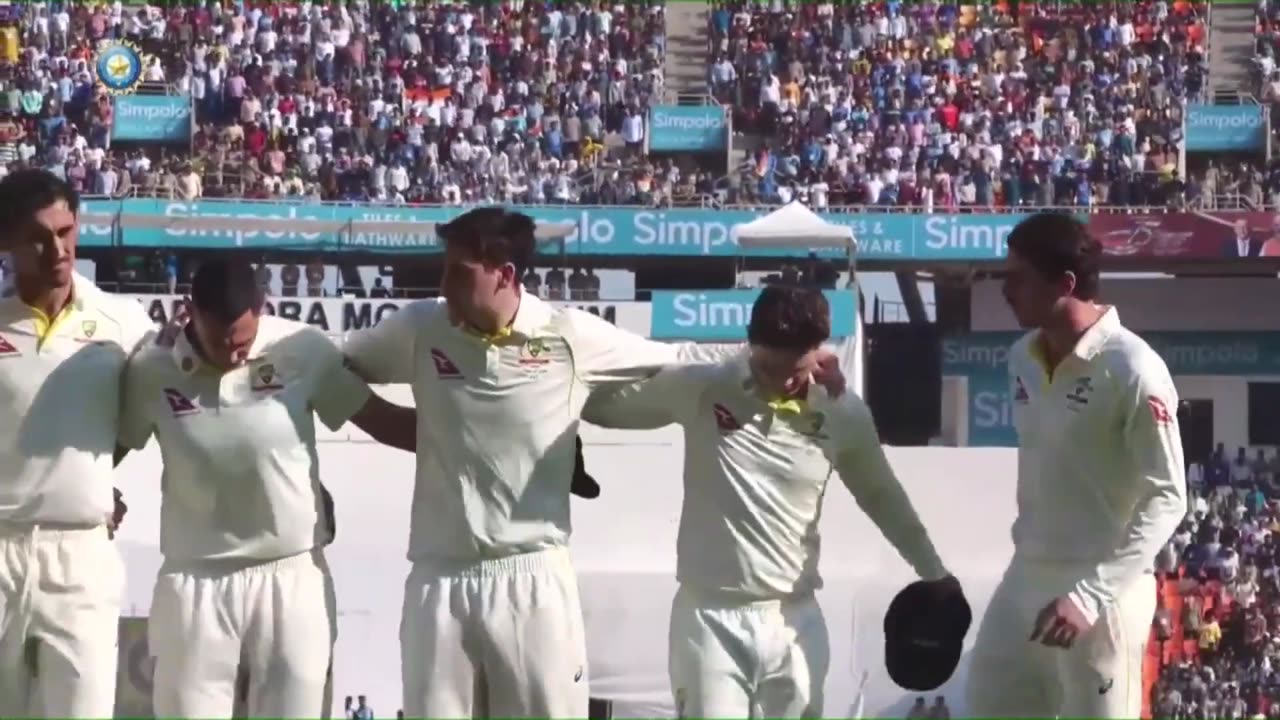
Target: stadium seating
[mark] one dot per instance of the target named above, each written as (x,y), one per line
(401,102)
(1214,638)
(944,106)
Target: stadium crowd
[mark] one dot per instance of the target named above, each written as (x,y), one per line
(394,102)
(1220,595)
(946,106)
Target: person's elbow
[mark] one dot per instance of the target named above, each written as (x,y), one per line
(387,423)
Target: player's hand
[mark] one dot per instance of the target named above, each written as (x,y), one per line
(583,485)
(829,375)
(116,518)
(172,329)
(1060,624)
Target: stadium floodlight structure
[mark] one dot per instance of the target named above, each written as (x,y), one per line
(342,232)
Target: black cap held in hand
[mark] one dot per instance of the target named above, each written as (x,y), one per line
(924,632)
(583,485)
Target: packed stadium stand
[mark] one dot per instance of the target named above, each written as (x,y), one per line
(925,106)
(933,104)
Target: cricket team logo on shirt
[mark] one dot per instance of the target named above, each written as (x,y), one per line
(725,419)
(534,352)
(180,404)
(445,368)
(1079,396)
(265,377)
(1020,394)
(810,425)
(7,349)
(89,328)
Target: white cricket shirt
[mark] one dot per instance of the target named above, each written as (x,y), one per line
(241,475)
(60,404)
(1100,476)
(497,418)
(755,473)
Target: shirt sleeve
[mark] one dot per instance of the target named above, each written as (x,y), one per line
(136,424)
(1149,421)
(665,398)
(338,393)
(384,353)
(605,354)
(864,469)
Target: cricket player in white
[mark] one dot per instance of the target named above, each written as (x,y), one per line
(63,348)
(747,638)
(243,522)
(1100,491)
(492,624)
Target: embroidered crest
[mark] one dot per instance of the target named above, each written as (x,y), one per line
(89,328)
(534,352)
(267,378)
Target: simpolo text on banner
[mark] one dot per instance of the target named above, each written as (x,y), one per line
(688,128)
(723,315)
(1225,128)
(151,118)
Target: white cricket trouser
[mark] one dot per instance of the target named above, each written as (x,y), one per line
(60,593)
(1100,676)
(766,659)
(276,620)
(498,638)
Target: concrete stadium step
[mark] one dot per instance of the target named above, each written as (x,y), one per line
(686,63)
(1231,48)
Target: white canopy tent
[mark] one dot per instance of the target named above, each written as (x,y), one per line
(796,227)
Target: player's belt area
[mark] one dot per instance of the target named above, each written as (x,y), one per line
(16,529)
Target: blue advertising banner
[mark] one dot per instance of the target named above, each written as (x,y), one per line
(1223,128)
(982,358)
(151,118)
(679,128)
(722,315)
(617,231)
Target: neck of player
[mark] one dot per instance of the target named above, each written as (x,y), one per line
(48,299)
(503,312)
(1067,327)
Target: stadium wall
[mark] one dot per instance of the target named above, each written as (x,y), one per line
(624,548)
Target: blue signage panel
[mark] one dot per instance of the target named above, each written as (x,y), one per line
(982,358)
(599,230)
(1224,128)
(723,315)
(151,118)
(679,128)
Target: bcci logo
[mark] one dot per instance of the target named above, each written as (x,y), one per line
(119,67)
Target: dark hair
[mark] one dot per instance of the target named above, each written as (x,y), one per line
(790,318)
(23,193)
(493,236)
(225,289)
(1056,244)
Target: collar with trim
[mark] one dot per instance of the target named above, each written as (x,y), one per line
(779,405)
(189,359)
(532,316)
(1093,339)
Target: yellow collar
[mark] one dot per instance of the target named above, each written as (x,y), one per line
(789,406)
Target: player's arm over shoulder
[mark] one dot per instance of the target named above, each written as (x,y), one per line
(859,458)
(137,329)
(604,353)
(384,353)
(139,393)
(670,396)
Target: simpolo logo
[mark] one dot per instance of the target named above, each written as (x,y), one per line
(154,112)
(1226,121)
(710,121)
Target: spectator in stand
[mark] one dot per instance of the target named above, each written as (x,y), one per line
(937,105)
(396,102)
(1220,605)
